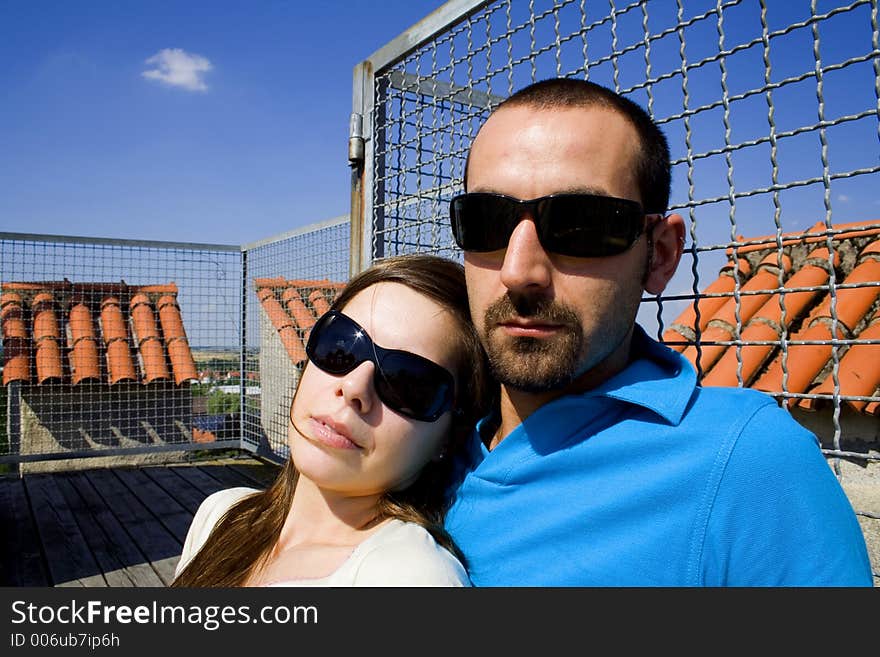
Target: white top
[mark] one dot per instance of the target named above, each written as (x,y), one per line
(397,554)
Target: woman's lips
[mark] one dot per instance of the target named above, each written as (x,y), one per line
(327,432)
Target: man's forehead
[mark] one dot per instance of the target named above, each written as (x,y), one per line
(519,114)
(511,128)
(584,149)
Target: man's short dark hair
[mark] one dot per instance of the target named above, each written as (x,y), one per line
(653,169)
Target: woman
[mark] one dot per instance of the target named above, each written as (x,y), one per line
(395,382)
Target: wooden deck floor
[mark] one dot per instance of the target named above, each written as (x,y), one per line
(108,527)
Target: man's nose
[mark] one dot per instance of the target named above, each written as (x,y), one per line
(527,266)
(357,388)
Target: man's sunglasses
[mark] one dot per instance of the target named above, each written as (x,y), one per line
(580,225)
(405,382)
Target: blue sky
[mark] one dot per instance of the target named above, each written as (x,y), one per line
(227,122)
(222,122)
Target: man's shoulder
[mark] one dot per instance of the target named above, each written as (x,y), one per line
(752,418)
(729,400)
(737,399)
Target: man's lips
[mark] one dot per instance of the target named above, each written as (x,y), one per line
(333,434)
(529,328)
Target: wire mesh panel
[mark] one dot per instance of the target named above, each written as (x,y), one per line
(290,280)
(113,347)
(771,113)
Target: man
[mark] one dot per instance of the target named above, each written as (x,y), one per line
(605,464)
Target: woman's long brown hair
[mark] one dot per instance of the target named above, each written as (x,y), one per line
(243,539)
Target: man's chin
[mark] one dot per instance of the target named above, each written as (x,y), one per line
(531,375)
(535,386)
(534,365)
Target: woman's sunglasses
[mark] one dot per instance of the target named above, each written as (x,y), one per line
(580,225)
(405,382)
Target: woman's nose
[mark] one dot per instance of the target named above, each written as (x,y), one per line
(357,387)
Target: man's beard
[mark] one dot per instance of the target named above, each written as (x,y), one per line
(533,365)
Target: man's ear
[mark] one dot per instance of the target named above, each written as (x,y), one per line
(668,244)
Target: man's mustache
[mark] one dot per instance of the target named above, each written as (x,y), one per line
(535,308)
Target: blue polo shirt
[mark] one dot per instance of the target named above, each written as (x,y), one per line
(652,480)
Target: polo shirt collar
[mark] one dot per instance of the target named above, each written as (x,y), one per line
(657,378)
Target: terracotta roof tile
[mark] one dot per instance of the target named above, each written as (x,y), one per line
(203,436)
(302,316)
(805,362)
(182,363)
(84,359)
(46,338)
(767,323)
(145,332)
(858,370)
(808,317)
(683,327)
(75,332)
(293,307)
(722,325)
(120,366)
(16,351)
(319,301)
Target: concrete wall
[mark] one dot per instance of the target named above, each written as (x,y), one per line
(859,477)
(55,419)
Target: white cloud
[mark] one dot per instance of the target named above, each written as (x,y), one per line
(843,198)
(178,68)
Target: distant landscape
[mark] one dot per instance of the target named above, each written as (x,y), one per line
(221,360)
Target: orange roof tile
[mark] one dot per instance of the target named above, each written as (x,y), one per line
(16,351)
(858,371)
(182,363)
(722,324)
(767,323)
(203,436)
(46,338)
(73,332)
(293,307)
(145,332)
(120,366)
(683,328)
(85,363)
(807,317)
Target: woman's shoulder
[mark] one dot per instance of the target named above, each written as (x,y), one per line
(406,554)
(221,500)
(216,504)
(207,516)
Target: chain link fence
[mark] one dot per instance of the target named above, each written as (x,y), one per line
(110,347)
(289,278)
(771,112)
(121,349)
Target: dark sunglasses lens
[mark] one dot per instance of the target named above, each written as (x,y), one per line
(406,383)
(413,386)
(579,225)
(483,222)
(589,226)
(337,345)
